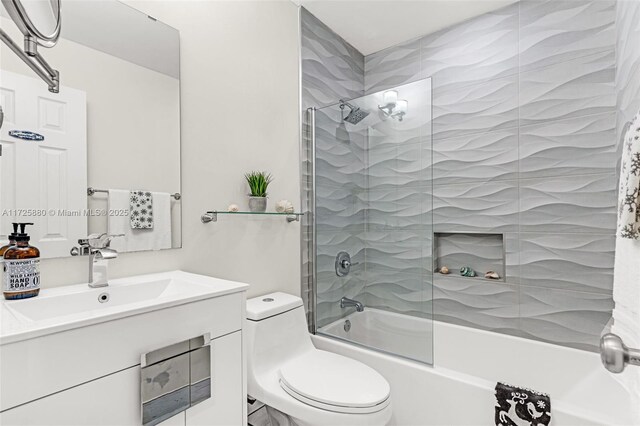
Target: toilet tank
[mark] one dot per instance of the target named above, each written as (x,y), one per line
(276,331)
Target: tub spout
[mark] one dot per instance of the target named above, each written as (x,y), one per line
(347,303)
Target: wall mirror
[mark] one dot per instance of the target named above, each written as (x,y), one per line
(39,19)
(103,154)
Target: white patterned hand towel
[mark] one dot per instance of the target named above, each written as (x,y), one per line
(629,201)
(156,238)
(141,209)
(626,283)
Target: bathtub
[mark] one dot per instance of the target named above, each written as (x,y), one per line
(459,388)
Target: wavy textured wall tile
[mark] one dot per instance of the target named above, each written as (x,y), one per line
(398,292)
(408,252)
(479,157)
(475,109)
(478,50)
(580,262)
(579,87)
(581,145)
(553,31)
(476,207)
(566,318)
(339,208)
(332,242)
(523,144)
(331,67)
(407,165)
(476,303)
(337,170)
(569,204)
(402,208)
(628,63)
(392,67)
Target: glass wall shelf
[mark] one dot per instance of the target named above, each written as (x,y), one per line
(212,216)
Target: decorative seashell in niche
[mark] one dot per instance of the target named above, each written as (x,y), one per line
(444,270)
(467,271)
(492,275)
(233,208)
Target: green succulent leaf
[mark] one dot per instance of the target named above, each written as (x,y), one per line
(258,183)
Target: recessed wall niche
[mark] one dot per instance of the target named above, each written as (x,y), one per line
(481,252)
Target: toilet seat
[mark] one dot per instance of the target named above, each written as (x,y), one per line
(335,383)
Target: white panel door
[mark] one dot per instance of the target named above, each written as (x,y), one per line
(7,162)
(47,177)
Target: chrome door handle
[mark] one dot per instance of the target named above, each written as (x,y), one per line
(615,355)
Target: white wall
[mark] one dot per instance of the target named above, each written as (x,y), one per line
(239,65)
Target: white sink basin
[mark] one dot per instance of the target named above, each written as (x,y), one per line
(74,306)
(86,299)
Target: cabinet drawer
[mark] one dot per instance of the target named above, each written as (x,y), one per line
(38,367)
(112,400)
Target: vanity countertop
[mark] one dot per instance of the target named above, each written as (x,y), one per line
(64,308)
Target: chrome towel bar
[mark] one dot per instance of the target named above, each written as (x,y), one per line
(91,191)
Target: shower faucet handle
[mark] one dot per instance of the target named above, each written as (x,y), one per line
(343,264)
(348,264)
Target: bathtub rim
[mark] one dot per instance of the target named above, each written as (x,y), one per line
(560,405)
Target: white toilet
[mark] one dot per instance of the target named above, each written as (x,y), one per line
(313,387)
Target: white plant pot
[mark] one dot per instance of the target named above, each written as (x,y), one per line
(258,204)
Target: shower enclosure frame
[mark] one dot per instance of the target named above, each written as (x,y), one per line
(312,247)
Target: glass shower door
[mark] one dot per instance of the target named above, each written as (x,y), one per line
(373,221)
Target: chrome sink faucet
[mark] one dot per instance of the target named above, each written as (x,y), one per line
(347,303)
(97,247)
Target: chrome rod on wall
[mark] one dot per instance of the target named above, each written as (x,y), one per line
(91,191)
(41,67)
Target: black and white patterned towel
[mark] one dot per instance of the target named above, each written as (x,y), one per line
(629,195)
(521,407)
(141,209)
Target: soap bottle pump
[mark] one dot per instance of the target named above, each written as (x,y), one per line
(22,268)
(12,240)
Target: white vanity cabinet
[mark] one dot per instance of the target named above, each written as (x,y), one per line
(91,375)
(115,399)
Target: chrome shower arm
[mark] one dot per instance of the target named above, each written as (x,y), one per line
(344,103)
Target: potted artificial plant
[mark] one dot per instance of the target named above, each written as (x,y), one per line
(258,183)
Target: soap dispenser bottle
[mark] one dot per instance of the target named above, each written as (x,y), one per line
(22,268)
(12,240)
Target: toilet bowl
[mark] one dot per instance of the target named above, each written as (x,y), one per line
(313,387)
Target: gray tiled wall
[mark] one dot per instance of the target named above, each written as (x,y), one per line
(331,69)
(528,105)
(524,143)
(398,241)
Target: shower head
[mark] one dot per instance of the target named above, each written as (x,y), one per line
(355,115)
